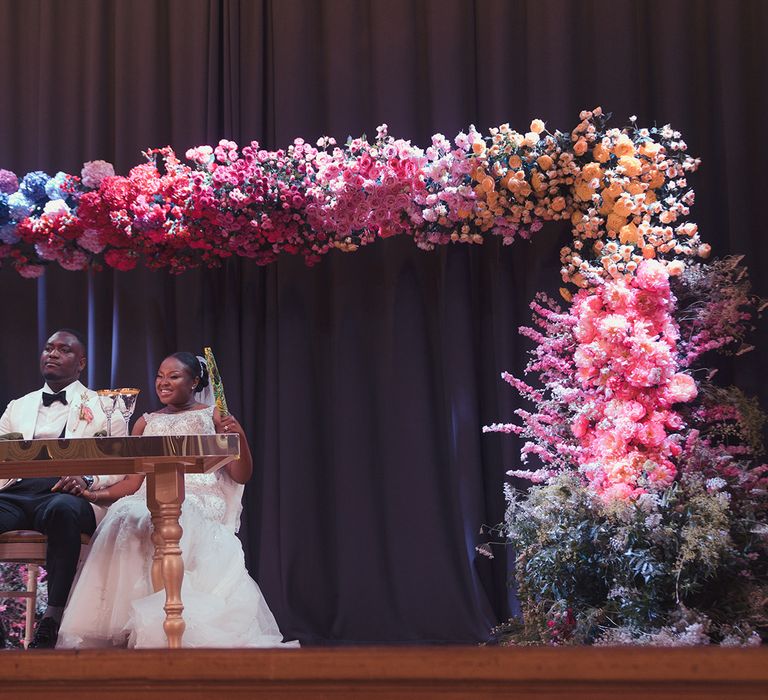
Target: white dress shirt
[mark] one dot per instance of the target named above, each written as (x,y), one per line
(51,420)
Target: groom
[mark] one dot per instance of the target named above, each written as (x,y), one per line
(62,408)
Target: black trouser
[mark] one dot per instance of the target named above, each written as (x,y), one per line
(29,505)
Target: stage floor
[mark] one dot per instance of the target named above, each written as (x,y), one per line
(400,672)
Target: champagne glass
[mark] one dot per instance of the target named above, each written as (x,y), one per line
(108,401)
(127,403)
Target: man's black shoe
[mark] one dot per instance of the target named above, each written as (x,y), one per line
(46,634)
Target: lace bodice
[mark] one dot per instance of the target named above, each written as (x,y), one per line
(215,494)
(198,422)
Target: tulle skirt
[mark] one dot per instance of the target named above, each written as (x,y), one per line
(112,602)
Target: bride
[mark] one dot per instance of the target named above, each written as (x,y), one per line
(112,602)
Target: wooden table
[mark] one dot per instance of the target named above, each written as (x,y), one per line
(164,460)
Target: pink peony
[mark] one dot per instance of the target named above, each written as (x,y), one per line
(681,388)
(94,171)
(614,327)
(652,276)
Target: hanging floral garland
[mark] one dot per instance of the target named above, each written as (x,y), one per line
(624,191)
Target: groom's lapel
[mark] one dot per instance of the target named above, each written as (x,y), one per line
(77,426)
(26,417)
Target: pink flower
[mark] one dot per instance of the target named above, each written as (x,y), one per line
(681,388)
(94,172)
(652,276)
(580,425)
(30,271)
(614,327)
(86,414)
(90,240)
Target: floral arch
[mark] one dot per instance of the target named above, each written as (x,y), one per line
(646,521)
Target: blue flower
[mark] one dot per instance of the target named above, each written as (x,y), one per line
(33,185)
(8,234)
(53,186)
(19,206)
(5,213)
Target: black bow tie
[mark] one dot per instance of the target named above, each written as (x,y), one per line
(48,399)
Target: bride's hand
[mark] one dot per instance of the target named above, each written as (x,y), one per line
(229,424)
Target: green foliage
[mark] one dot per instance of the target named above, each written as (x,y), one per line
(675,565)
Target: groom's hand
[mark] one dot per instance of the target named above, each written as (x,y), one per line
(74,485)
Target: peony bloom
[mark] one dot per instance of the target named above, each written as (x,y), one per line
(652,276)
(614,327)
(94,171)
(681,388)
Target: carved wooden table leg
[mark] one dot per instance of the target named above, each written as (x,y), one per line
(157,537)
(165,494)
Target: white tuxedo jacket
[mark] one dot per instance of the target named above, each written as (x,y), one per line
(21,417)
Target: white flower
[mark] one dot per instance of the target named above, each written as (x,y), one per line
(56,207)
(715,484)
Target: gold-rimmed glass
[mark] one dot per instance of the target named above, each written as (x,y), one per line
(126,403)
(108,401)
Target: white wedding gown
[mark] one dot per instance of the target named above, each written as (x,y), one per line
(112,602)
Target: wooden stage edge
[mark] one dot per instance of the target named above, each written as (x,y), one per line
(388,672)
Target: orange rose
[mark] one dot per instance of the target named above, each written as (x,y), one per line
(675,267)
(649,149)
(615,222)
(624,146)
(545,162)
(515,162)
(623,206)
(631,165)
(583,191)
(592,170)
(657,180)
(600,153)
(629,234)
(667,216)
(558,204)
(537,126)
(607,206)
(580,147)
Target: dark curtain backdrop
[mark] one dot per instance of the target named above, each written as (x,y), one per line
(363,382)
